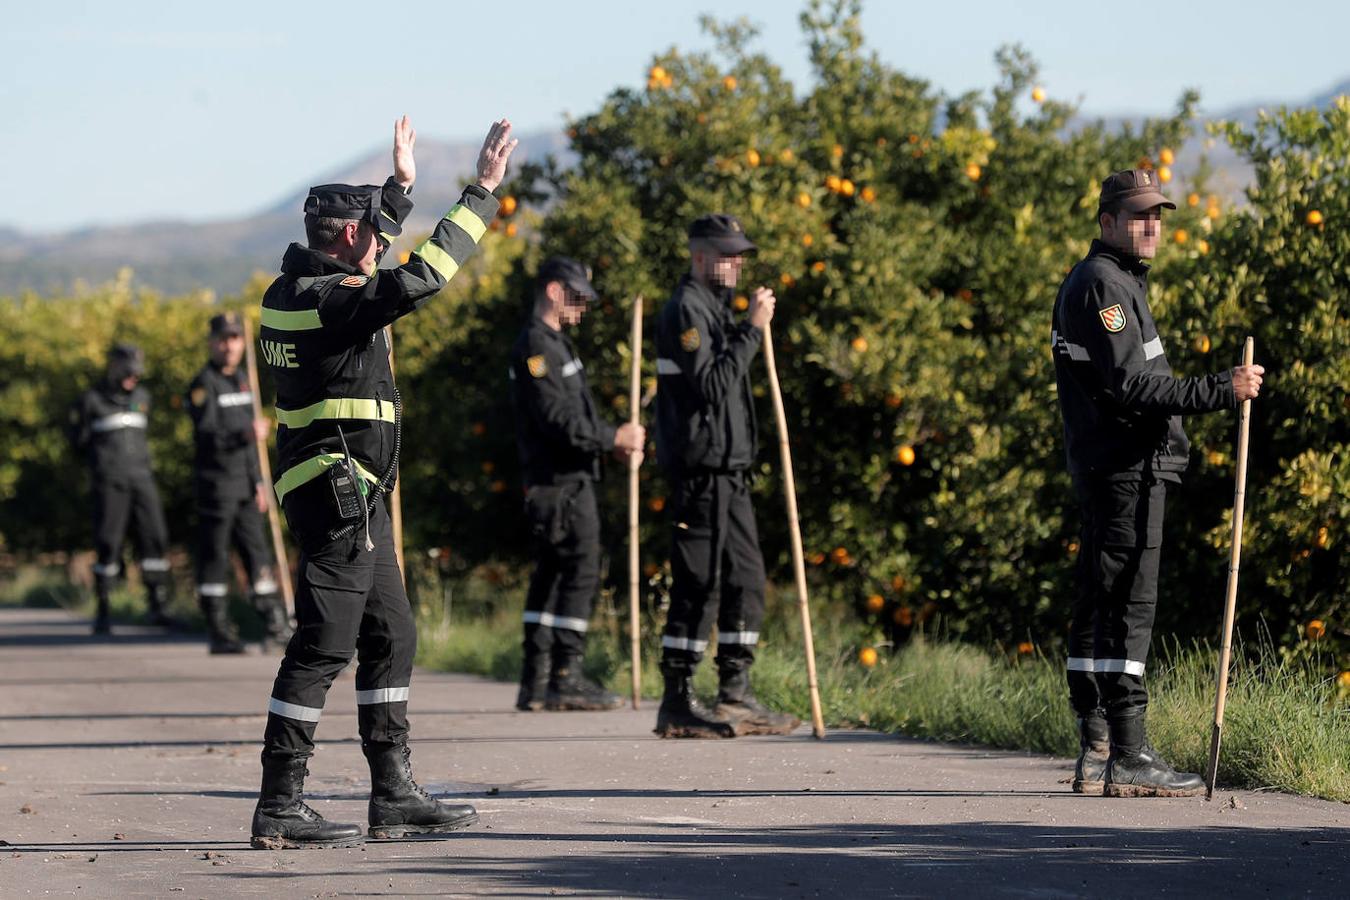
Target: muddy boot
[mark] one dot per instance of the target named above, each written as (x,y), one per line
(283,821)
(1094,744)
(1135,769)
(276,621)
(682,716)
(157,601)
(736,703)
(533,683)
(224,639)
(569,689)
(103,615)
(398,805)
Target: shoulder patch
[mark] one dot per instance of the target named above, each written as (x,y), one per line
(354,281)
(537,365)
(690,340)
(1113,318)
(198,396)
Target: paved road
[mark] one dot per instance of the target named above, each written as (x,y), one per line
(130,768)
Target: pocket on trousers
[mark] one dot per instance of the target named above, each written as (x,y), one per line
(543,512)
(1132,514)
(326,576)
(693,509)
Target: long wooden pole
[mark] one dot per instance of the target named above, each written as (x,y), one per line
(634,555)
(395,496)
(265,468)
(1230,601)
(795,530)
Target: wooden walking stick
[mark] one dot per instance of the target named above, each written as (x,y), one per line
(1230,601)
(265,468)
(634,589)
(795,530)
(395,496)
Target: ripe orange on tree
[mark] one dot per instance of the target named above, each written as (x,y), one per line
(875,603)
(1164,174)
(973,171)
(859,344)
(869,195)
(1180,236)
(752,157)
(1314,217)
(729,82)
(903,616)
(867,656)
(1316,630)
(803,200)
(1201,343)
(904,455)
(508,207)
(846,187)
(1165,157)
(1038,94)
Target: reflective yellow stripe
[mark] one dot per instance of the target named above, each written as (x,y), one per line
(291,319)
(438,259)
(468,220)
(310,469)
(337,408)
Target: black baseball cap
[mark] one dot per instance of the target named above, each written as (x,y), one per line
(125,361)
(724,232)
(1134,190)
(572,274)
(226,324)
(348,201)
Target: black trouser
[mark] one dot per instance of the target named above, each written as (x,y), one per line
(717,572)
(565,525)
(223,521)
(1117,593)
(349,600)
(133,500)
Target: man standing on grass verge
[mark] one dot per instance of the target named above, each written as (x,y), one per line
(561,437)
(1122,409)
(323,334)
(706,442)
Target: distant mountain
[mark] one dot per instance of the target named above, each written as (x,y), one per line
(176,256)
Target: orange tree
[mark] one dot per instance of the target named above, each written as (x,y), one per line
(915,241)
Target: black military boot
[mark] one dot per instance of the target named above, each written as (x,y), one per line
(156,600)
(570,689)
(103,615)
(737,704)
(220,630)
(398,805)
(533,682)
(1135,769)
(681,715)
(276,621)
(283,821)
(1094,744)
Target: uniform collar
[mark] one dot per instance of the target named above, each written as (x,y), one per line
(302,261)
(1131,264)
(538,324)
(715,300)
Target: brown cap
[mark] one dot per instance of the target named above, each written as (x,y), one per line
(1134,190)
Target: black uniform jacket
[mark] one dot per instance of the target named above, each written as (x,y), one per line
(705,414)
(323,337)
(226,460)
(1122,405)
(108,425)
(559,434)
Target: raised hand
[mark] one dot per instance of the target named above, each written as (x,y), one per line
(497,147)
(405,139)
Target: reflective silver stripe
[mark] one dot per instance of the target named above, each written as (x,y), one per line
(552,621)
(382,695)
(738,637)
(1080,664)
(667,367)
(571,368)
(242,398)
(212,590)
(1077,352)
(267,586)
(1128,666)
(107,570)
(294,710)
(118,420)
(154,564)
(1153,348)
(679,643)
(511,373)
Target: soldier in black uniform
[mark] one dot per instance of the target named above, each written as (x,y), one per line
(108,425)
(323,334)
(561,436)
(706,442)
(1122,409)
(231,498)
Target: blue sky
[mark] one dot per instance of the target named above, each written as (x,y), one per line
(135,110)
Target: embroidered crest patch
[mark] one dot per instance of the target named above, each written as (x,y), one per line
(537,365)
(690,340)
(198,396)
(354,281)
(1113,318)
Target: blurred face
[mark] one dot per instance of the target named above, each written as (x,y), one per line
(226,351)
(573,307)
(1134,233)
(715,268)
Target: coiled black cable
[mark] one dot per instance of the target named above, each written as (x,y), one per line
(385,482)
